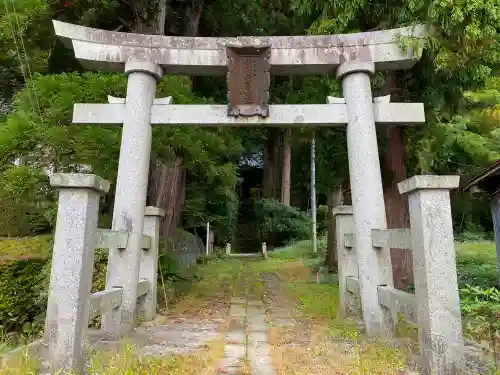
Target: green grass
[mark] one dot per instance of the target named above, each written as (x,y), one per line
(477,264)
(24,248)
(299,250)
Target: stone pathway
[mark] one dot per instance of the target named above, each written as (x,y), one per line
(246,347)
(165,337)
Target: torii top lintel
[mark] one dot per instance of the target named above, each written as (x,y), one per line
(290,55)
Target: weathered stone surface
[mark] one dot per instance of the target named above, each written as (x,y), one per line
(238,301)
(142,65)
(255,338)
(342,210)
(295,55)
(179,337)
(350,67)
(347,261)
(105,300)
(149,260)
(158,101)
(68,304)
(237,311)
(257,323)
(79,181)
(377,99)
(374,265)
(234,351)
(436,286)
(248,341)
(398,301)
(255,311)
(130,196)
(235,337)
(428,182)
(279,115)
(392,238)
(282,322)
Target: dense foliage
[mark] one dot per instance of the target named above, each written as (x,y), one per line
(41,138)
(279,223)
(457,79)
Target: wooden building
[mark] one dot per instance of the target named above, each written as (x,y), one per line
(488,181)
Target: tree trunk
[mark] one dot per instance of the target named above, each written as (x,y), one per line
(267,183)
(166,190)
(396,205)
(193,18)
(277,163)
(287,160)
(161,17)
(272,177)
(335,198)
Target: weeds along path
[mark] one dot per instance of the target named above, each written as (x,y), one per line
(244,317)
(185,339)
(305,335)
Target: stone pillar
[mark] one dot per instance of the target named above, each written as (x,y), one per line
(130,197)
(348,265)
(436,287)
(264,250)
(71,272)
(366,191)
(495,214)
(149,261)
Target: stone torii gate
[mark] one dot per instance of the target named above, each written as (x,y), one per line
(248,63)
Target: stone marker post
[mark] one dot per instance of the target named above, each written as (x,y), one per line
(131,189)
(228,249)
(366,191)
(71,272)
(264,250)
(436,287)
(348,264)
(149,260)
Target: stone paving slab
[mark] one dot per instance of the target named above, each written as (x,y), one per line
(247,338)
(237,311)
(234,351)
(257,323)
(178,336)
(255,311)
(282,322)
(254,338)
(238,301)
(235,337)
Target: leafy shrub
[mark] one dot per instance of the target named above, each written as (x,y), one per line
(280,223)
(19,291)
(467,236)
(481,308)
(322,219)
(26,204)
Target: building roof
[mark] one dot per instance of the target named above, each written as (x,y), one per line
(488,179)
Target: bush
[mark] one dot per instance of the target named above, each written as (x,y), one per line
(481,308)
(279,223)
(24,282)
(322,219)
(26,204)
(19,295)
